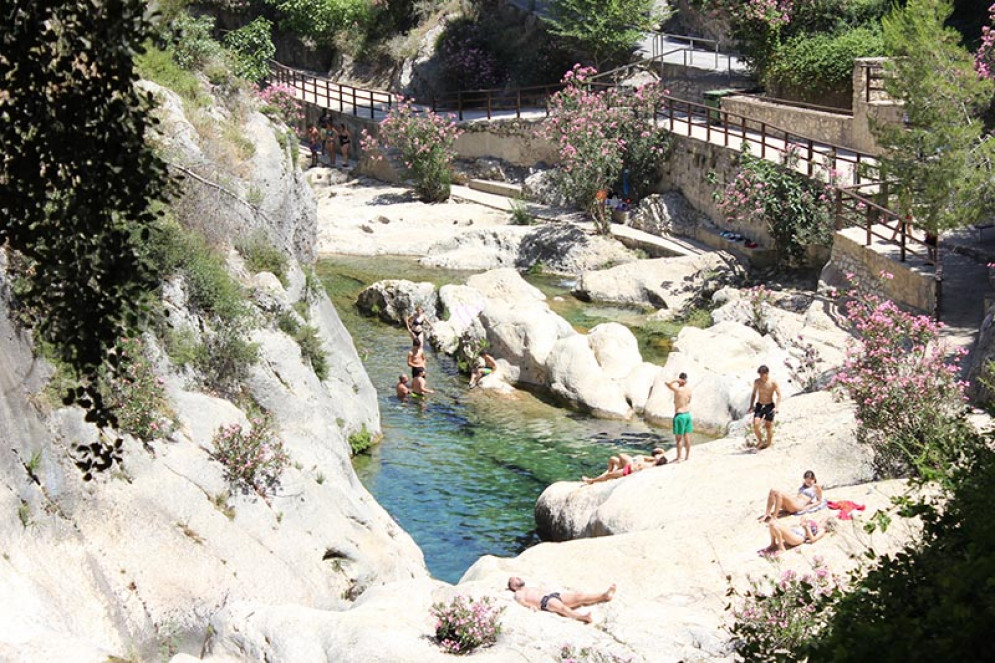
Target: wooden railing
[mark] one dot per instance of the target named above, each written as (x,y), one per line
(873,212)
(331,95)
(496,100)
(861,201)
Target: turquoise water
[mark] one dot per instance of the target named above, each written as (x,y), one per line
(461,470)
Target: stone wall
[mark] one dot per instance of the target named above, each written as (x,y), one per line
(821,126)
(852,130)
(510,140)
(913,283)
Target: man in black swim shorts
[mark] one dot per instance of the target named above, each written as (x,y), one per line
(561,603)
(764,400)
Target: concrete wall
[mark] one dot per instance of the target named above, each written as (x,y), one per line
(834,128)
(913,283)
(700,171)
(852,130)
(511,140)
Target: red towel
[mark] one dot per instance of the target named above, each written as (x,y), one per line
(845,507)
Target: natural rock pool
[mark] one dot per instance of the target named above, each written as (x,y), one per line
(461,471)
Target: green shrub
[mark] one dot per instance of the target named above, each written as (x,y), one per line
(252,48)
(520,214)
(160,66)
(307,337)
(811,64)
(193,45)
(261,256)
(211,290)
(136,395)
(286,321)
(227,357)
(182,347)
(320,20)
(360,441)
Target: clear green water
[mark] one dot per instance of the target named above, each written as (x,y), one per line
(461,470)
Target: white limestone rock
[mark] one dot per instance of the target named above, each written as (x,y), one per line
(663,283)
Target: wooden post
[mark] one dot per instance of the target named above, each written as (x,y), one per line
(763,140)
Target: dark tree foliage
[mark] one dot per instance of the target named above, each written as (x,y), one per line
(77,177)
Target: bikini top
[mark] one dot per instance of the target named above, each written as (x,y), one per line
(809,492)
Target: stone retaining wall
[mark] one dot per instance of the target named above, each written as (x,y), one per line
(822,126)
(510,140)
(913,283)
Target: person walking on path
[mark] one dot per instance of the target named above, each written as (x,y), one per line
(682,415)
(561,603)
(764,401)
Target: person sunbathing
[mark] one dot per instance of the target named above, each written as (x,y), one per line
(562,603)
(623,465)
(808,498)
(783,536)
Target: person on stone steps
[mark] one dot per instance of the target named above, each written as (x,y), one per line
(561,603)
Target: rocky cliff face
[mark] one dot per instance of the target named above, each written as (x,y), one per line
(134,563)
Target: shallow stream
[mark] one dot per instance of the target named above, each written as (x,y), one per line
(461,471)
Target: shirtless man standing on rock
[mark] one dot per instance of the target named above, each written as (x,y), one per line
(562,603)
(764,406)
(682,415)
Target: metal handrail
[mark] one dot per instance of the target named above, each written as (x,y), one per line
(680,116)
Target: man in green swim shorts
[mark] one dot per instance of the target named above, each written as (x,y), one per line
(682,415)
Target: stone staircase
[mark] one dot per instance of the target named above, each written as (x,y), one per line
(505,189)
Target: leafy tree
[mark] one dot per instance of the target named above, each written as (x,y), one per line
(77,180)
(603,30)
(253,48)
(321,19)
(941,160)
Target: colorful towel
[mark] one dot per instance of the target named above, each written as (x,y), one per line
(845,508)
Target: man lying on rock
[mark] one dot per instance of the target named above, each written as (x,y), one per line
(562,603)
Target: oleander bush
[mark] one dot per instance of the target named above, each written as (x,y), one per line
(466,624)
(254,459)
(137,395)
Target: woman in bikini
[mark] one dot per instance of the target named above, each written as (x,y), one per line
(416,324)
(783,535)
(623,465)
(345,138)
(809,496)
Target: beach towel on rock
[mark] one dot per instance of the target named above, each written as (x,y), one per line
(845,508)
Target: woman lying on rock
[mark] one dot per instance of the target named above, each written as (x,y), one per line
(623,465)
(808,499)
(783,535)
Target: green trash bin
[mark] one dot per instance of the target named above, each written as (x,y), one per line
(713,99)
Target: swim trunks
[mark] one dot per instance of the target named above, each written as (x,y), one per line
(545,600)
(627,470)
(682,423)
(764,411)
